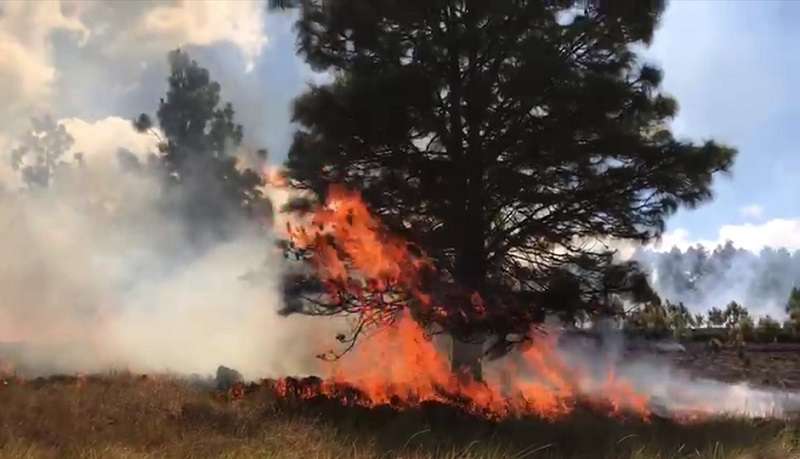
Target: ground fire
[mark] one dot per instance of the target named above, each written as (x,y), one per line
(373,276)
(401,367)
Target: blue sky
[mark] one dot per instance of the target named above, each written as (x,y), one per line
(729,64)
(733,71)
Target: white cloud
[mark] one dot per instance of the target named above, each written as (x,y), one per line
(773,233)
(27,72)
(206,23)
(679,238)
(752,211)
(776,233)
(100,140)
(110,40)
(676,238)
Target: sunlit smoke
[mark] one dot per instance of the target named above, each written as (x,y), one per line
(99,275)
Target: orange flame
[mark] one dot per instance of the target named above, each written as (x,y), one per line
(399,365)
(381,258)
(275,177)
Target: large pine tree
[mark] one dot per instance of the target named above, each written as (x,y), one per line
(509,138)
(205,183)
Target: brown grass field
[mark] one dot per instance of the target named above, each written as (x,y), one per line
(124,416)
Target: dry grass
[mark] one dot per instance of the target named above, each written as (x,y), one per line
(124,416)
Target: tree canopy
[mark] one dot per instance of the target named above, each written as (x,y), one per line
(200,136)
(509,139)
(793,307)
(716,317)
(40,156)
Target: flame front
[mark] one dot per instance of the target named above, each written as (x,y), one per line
(401,366)
(398,364)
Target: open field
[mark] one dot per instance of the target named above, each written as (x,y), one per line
(773,365)
(767,365)
(123,416)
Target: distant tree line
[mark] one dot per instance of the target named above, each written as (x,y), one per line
(734,322)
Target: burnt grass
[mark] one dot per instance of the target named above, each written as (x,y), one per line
(123,415)
(774,365)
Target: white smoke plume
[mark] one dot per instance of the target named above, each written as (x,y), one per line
(672,392)
(97,275)
(703,278)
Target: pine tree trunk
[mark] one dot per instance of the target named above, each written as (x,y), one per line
(465,358)
(464,147)
(470,275)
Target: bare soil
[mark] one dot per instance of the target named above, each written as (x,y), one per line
(765,365)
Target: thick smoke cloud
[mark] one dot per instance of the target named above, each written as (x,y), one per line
(97,274)
(703,279)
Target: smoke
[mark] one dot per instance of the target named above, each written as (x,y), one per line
(702,279)
(672,392)
(98,274)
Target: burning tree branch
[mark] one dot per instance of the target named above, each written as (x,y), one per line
(358,269)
